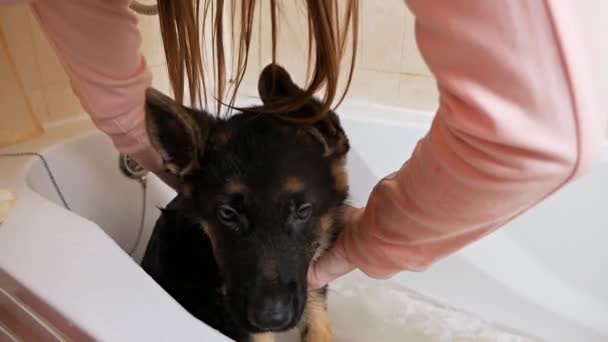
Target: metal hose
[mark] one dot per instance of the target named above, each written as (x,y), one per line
(143,8)
(48,171)
(127,166)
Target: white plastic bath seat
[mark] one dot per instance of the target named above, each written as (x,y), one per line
(500,289)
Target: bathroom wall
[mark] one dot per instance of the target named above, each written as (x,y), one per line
(18,121)
(389,68)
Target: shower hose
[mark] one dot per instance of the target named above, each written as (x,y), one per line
(131,170)
(145,9)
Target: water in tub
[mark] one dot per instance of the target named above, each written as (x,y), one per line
(364,310)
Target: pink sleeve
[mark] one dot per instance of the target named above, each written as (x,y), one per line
(14,2)
(517,121)
(98,43)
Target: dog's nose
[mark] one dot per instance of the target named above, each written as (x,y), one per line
(272,314)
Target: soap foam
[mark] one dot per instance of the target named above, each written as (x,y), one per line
(364,310)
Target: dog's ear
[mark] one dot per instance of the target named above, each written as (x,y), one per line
(275,84)
(330,134)
(178,133)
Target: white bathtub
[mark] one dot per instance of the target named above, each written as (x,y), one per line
(67,273)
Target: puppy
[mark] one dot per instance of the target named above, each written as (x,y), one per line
(262,198)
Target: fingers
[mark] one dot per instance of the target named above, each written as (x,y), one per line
(333,264)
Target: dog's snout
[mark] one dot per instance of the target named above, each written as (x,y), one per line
(275,294)
(272,313)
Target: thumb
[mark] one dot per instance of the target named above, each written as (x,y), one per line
(331,265)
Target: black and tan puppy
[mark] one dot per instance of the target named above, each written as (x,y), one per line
(262,198)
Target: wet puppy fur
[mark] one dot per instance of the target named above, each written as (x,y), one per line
(262,198)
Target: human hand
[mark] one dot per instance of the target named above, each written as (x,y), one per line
(150,160)
(334,263)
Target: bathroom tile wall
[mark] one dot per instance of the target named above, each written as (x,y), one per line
(389,69)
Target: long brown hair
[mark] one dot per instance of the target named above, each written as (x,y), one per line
(183,35)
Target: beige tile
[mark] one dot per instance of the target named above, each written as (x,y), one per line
(411,59)
(418,92)
(62,103)
(51,69)
(382,29)
(152,44)
(39,105)
(374,86)
(18,34)
(160,79)
(18,121)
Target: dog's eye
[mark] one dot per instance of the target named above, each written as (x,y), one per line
(304,211)
(226,214)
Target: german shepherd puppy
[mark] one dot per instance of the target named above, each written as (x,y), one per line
(262,198)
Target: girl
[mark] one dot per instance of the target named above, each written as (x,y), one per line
(522,111)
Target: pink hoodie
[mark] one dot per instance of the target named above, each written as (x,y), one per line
(522,113)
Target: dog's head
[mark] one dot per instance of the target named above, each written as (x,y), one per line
(267,192)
